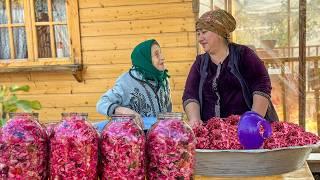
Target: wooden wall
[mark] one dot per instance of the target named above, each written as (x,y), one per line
(109,31)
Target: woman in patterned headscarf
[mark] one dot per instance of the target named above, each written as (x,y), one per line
(228,78)
(144,90)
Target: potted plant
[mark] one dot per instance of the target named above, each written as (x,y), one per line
(9,101)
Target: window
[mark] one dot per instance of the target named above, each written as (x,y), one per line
(39,35)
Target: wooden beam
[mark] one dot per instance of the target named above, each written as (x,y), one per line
(149,26)
(28,29)
(10,33)
(283,93)
(316,93)
(196,7)
(137,12)
(116,42)
(34,31)
(118,3)
(77,73)
(52,35)
(65,67)
(74,31)
(289,27)
(288,59)
(302,63)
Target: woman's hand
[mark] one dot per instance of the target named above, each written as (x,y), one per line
(192,110)
(195,123)
(124,110)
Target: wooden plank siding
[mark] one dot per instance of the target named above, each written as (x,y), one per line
(109,29)
(136,12)
(116,3)
(180,39)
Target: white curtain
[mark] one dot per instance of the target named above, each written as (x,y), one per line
(62,43)
(20,43)
(61,31)
(4,44)
(59,10)
(4,36)
(19,35)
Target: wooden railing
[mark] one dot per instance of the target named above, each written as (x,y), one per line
(286,61)
(293,51)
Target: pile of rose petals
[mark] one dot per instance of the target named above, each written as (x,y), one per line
(123,151)
(221,133)
(23,149)
(171,150)
(73,150)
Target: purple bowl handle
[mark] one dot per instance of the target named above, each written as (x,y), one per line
(266,127)
(249,130)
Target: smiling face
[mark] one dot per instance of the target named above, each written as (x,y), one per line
(157,57)
(209,40)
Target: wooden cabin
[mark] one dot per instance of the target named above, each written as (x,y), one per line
(102,36)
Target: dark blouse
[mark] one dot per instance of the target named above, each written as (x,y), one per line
(231,98)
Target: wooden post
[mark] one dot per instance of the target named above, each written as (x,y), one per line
(226,5)
(195,10)
(316,95)
(283,85)
(316,91)
(283,91)
(302,63)
(289,27)
(229,9)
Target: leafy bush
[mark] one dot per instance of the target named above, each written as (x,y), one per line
(9,101)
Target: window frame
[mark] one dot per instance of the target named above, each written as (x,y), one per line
(73,63)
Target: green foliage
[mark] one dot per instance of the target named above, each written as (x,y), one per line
(278,25)
(271,24)
(9,101)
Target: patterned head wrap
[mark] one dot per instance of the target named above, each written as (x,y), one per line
(218,21)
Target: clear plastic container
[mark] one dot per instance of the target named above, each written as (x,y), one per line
(170,148)
(23,148)
(50,128)
(74,148)
(123,149)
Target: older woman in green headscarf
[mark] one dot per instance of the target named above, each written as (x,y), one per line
(143,90)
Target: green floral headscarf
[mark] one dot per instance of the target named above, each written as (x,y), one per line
(142,61)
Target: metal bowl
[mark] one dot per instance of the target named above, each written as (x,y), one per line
(257,162)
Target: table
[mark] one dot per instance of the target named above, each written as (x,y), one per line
(314,162)
(303,173)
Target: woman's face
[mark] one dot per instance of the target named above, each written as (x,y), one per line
(209,40)
(157,57)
